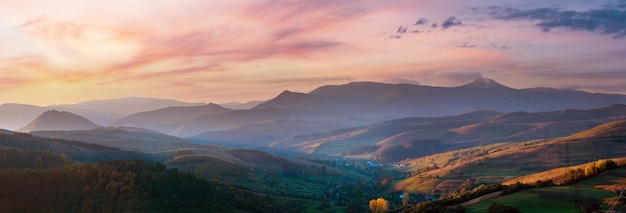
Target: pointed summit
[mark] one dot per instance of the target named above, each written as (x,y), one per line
(58,120)
(484,83)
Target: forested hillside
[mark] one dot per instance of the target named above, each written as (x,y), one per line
(75,150)
(113,186)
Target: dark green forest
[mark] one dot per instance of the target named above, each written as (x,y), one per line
(34,181)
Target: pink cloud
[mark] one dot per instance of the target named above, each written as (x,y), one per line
(280,43)
(12,82)
(293,30)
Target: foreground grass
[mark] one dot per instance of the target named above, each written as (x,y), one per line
(306,205)
(527,201)
(558,198)
(293,186)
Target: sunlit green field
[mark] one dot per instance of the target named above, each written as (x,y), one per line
(558,198)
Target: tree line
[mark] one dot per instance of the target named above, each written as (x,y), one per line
(115,186)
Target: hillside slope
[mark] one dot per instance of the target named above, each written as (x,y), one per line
(416,137)
(370,103)
(166,119)
(263,133)
(58,120)
(126,138)
(76,150)
(122,186)
(15,116)
(501,162)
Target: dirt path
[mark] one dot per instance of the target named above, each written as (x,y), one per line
(481,198)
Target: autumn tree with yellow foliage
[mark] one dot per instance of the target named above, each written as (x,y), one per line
(379,205)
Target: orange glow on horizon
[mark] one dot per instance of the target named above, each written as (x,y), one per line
(244,50)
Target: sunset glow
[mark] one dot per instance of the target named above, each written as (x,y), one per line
(68,51)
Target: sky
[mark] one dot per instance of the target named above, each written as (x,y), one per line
(66,51)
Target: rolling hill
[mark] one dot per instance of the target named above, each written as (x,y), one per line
(237,118)
(237,163)
(121,186)
(300,184)
(125,138)
(127,105)
(370,103)
(416,137)
(176,151)
(107,111)
(599,193)
(161,119)
(263,133)
(101,112)
(501,162)
(58,120)
(76,150)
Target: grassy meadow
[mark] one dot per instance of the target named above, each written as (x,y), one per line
(559,199)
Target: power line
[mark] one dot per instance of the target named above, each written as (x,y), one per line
(621,195)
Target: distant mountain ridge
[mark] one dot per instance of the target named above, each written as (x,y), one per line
(416,137)
(416,100)
(106,111)
(125,138)
(160,118)
(14,116)
(58,120)
(237,105)
(357,103)
(101,112)
(364,103)
(266,132)
(127,105)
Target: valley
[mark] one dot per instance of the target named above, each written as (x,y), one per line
(333,149)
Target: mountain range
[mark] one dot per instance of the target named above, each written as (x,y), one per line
(170,118)
(364,103)
(349,105)
(336,143)
(406,100)
(416,137)
(364,119)
(101,112)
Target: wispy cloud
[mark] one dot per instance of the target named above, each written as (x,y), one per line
(299,80)
(604,20)
(186,48)
(294,19)
(293,30)
(602,87)
(11,82)
(421,21)
(450,22)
